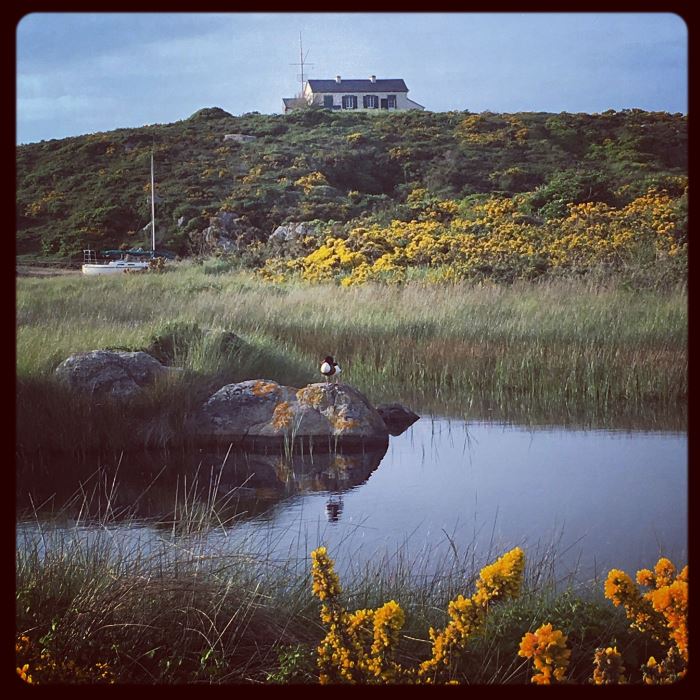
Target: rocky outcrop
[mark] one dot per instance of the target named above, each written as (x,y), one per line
(258,413)
(286,239)
(397,418)
(227,232)
(114,373)
(239,138)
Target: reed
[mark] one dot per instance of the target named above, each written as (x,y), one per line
(177,608)
(565,351)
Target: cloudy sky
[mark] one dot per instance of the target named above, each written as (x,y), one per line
(78,73)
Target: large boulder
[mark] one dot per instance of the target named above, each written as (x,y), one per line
(114,373)
(258,413)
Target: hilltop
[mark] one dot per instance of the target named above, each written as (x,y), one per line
(246,175)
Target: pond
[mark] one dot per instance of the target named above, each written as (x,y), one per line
(577,501)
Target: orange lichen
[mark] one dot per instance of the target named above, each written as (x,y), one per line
(263,388)
(282,416)
(342,423)
(311,395)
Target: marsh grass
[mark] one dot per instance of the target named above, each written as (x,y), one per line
(173,610)
(560,352)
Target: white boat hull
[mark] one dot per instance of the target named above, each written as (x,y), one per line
(115,267)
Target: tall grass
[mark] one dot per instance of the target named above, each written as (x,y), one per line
(555,352)
(169,609)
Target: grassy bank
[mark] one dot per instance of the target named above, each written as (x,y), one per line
(106,609)
(557,352)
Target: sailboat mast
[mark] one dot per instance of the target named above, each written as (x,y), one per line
(301,63)
(153,210)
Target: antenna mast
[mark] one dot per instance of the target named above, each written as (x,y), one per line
(153,210)
(301,64)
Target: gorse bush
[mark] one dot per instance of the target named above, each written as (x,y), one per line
(494,239)
(661,614)
(363,646)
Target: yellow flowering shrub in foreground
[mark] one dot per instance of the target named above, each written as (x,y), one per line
(360,647)
(608,668)
(547,648)
(36,666)
(661,613)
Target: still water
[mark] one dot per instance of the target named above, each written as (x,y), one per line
(584,501)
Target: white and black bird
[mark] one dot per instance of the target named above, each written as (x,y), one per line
(330,368)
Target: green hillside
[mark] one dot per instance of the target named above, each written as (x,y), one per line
(332,167)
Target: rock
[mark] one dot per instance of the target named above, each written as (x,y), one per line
(227,232)
(287,236)
(240,138)
(262,412)
(115,373)
(396,417)
(324,191)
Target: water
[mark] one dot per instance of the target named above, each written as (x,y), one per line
(583,500)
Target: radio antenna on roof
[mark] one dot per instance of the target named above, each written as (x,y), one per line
(301,64)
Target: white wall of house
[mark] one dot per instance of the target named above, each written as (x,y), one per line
(402,101)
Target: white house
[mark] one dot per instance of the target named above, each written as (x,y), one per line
(367,95)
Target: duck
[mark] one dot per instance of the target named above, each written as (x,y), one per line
(330,368)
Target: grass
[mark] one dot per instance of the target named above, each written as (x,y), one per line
(570,351)
(173,611)
(559,352)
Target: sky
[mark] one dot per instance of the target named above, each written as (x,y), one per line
(80,73)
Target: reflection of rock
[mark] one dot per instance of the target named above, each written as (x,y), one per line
(234,484)
(246,472)
(397,417)
(261,413)
(113,373)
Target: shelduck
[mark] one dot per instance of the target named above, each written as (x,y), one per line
(329,367)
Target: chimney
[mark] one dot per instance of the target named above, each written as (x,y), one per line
(337,78)
(373,78)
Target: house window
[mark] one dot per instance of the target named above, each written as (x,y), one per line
(349,101)
(370,102)
(328,101)
(391,101)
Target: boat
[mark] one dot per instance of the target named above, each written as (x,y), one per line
(92,267)
(125,263)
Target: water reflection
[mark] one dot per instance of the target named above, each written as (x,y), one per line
(159,484)
(334,507)
(590,500)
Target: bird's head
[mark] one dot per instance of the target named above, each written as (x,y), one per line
(328,359)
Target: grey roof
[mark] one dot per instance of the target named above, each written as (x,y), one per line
(379,85)
(293,101)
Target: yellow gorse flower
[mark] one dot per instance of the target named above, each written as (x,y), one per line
(493,235)
(45,668)
(361,646)
(608,668)
(661,612)
(547,648)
